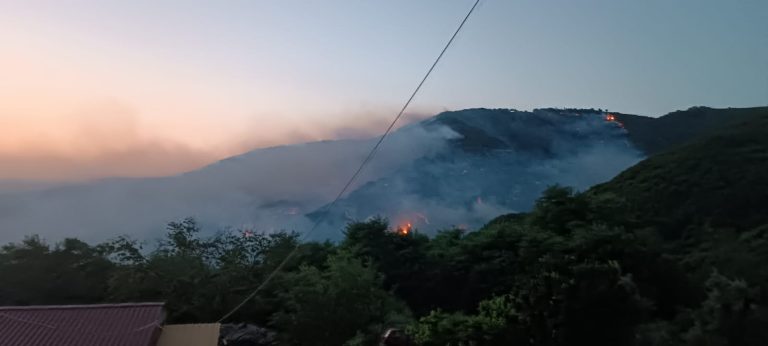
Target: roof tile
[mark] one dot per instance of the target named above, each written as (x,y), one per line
(135,324)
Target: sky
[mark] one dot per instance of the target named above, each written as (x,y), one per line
(103,88)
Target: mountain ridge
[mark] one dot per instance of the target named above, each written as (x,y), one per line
(272,188)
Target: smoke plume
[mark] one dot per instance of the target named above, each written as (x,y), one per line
(458,169)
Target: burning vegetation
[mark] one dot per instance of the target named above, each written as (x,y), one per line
(612,118)
(407,221)
(404,229)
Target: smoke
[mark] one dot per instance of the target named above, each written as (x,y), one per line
(111,138)
(100,140)
(459,169)
(266,189)
(502,165)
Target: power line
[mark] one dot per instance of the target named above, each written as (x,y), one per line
(352,179)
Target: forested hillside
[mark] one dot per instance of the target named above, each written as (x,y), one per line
(670,252)
(655,135)
(718,180)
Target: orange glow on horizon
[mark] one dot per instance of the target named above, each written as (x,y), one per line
(79,108)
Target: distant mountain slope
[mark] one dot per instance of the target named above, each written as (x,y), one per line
(503,159)
(718,179)
(500,161)
(654,135)
(481,128)
(533,133)
(457,168)
(264,189)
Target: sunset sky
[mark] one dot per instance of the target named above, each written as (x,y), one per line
(92,89)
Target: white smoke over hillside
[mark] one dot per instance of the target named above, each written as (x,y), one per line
(459,169)
(502,165)
(264,189)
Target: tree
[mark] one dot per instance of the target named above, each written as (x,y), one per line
(332,306)
(72,272)
(200,278)
(496,323)
(731,315)
(399,257)
(559,209)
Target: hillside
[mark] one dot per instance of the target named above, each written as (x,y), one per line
(654,135)
(576,269)
(503,158)
(484,129)
(719,179)
(457,168)
(425,164)
(500,161)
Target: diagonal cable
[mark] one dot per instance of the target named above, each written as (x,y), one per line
(354,176)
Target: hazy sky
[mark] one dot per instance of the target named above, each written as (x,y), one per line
(130,88)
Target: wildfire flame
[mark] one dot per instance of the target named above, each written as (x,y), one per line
(612,118)
(407,220)
(404,229)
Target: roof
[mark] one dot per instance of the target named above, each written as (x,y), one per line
(134,324)
(190,335)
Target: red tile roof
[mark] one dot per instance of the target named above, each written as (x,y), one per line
(81,325)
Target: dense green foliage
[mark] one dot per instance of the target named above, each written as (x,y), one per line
(720,180)
(570,272)
(670,252)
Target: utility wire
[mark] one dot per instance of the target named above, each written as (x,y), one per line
(352,179)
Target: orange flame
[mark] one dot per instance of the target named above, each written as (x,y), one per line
(407,220)
(612,118)
(404,229)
